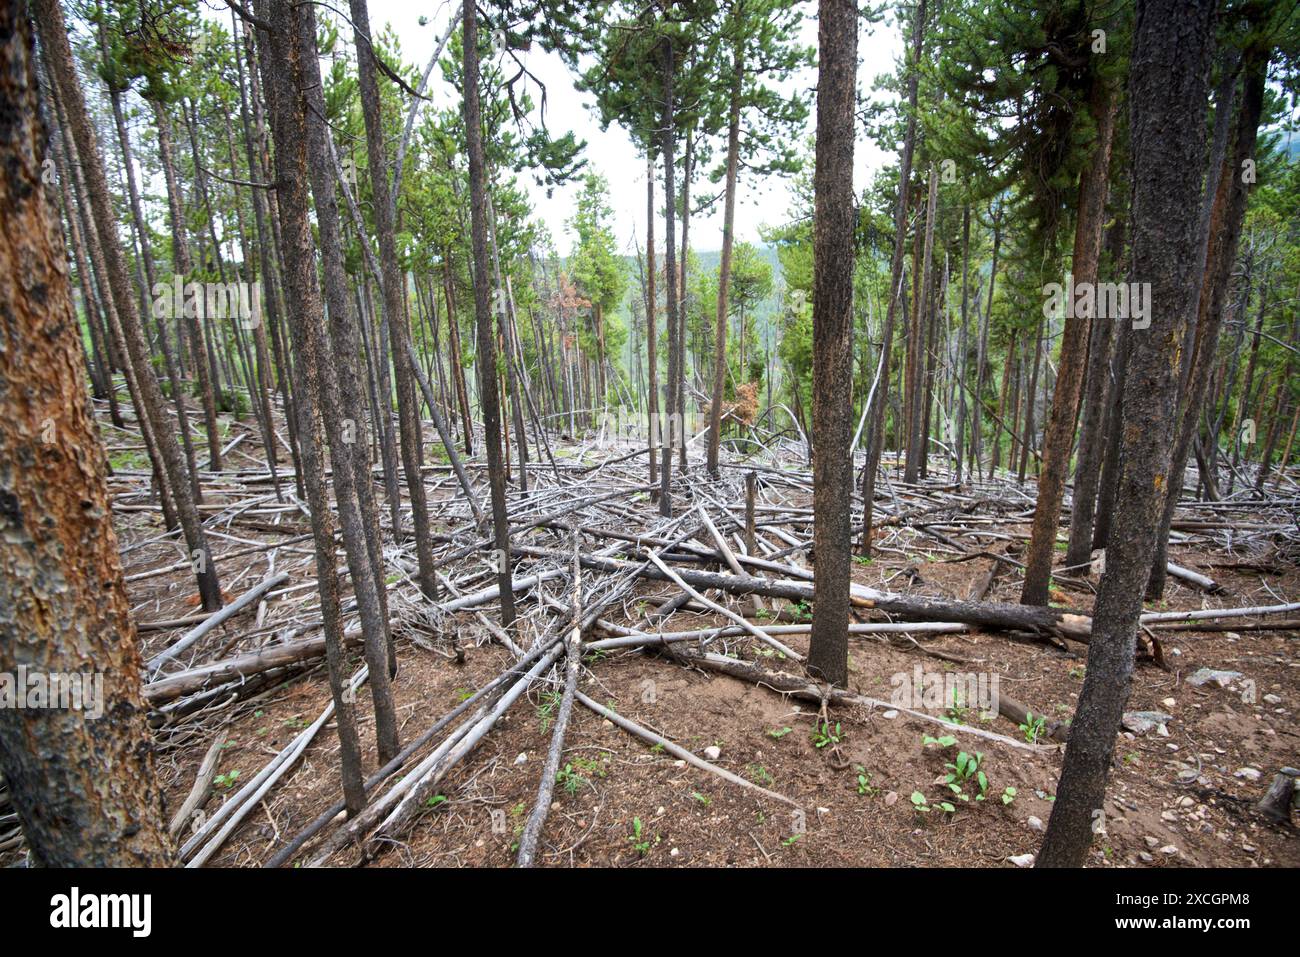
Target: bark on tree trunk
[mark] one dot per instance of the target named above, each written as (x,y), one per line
(486,360)
(833,225)
(54,44)
(85,790)
(1168,89)
(1059,440)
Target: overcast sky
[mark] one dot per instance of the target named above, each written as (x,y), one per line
(611,152)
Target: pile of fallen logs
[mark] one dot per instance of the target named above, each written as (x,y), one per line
(594,569)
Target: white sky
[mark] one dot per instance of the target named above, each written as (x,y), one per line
(611,152)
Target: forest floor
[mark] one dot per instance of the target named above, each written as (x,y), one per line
(1180,793)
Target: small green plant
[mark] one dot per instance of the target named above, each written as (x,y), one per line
(1008,795)
(1033,727)
(778,733)
(436,800)
(957,710)
(1078,672)
(463,694)
(865,788)
(791,840)
(702,798)
(226,780)
(947,741)
(641,842)
(921,806)
(965,770)
(800,610)
(825,734)
(862,559)
(569,779)
(546,708)
(759,774)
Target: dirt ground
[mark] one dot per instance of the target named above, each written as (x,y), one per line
(1180,795)
(858,808)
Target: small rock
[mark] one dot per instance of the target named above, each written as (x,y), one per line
(1273,699)
(1168,816)
(1022,860)
(1145,857)
(1169,702)
(1152,842)
(1169,850)
(674,852)
(522,758)
(660,811)
(713,752)
(1248,774)
(1209,676)
(1035,824)
(1140,722)
(891,798)
(891,714)
(1185,802)
(679,763)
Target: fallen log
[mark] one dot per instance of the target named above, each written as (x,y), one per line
(991,615)
(225,614)
(573,667)
(800,688)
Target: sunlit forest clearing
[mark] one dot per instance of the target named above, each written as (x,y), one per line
(690,433)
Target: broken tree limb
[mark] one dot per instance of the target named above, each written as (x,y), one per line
(573,667)
(282,856)
(1195,578)
(220,617)
(430,772)
(753,629)
(632,638)
(202,782)
(991,615)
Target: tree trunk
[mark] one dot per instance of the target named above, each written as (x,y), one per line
(1059,440)
(833,227)
(54,43)
(876,416)
(1168,90)
(486,360)
(1226,219)
(85,791)
(283,83)
(670,421)
(394,297)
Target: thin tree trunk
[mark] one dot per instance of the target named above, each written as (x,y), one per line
(833,224)
(1168,90)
